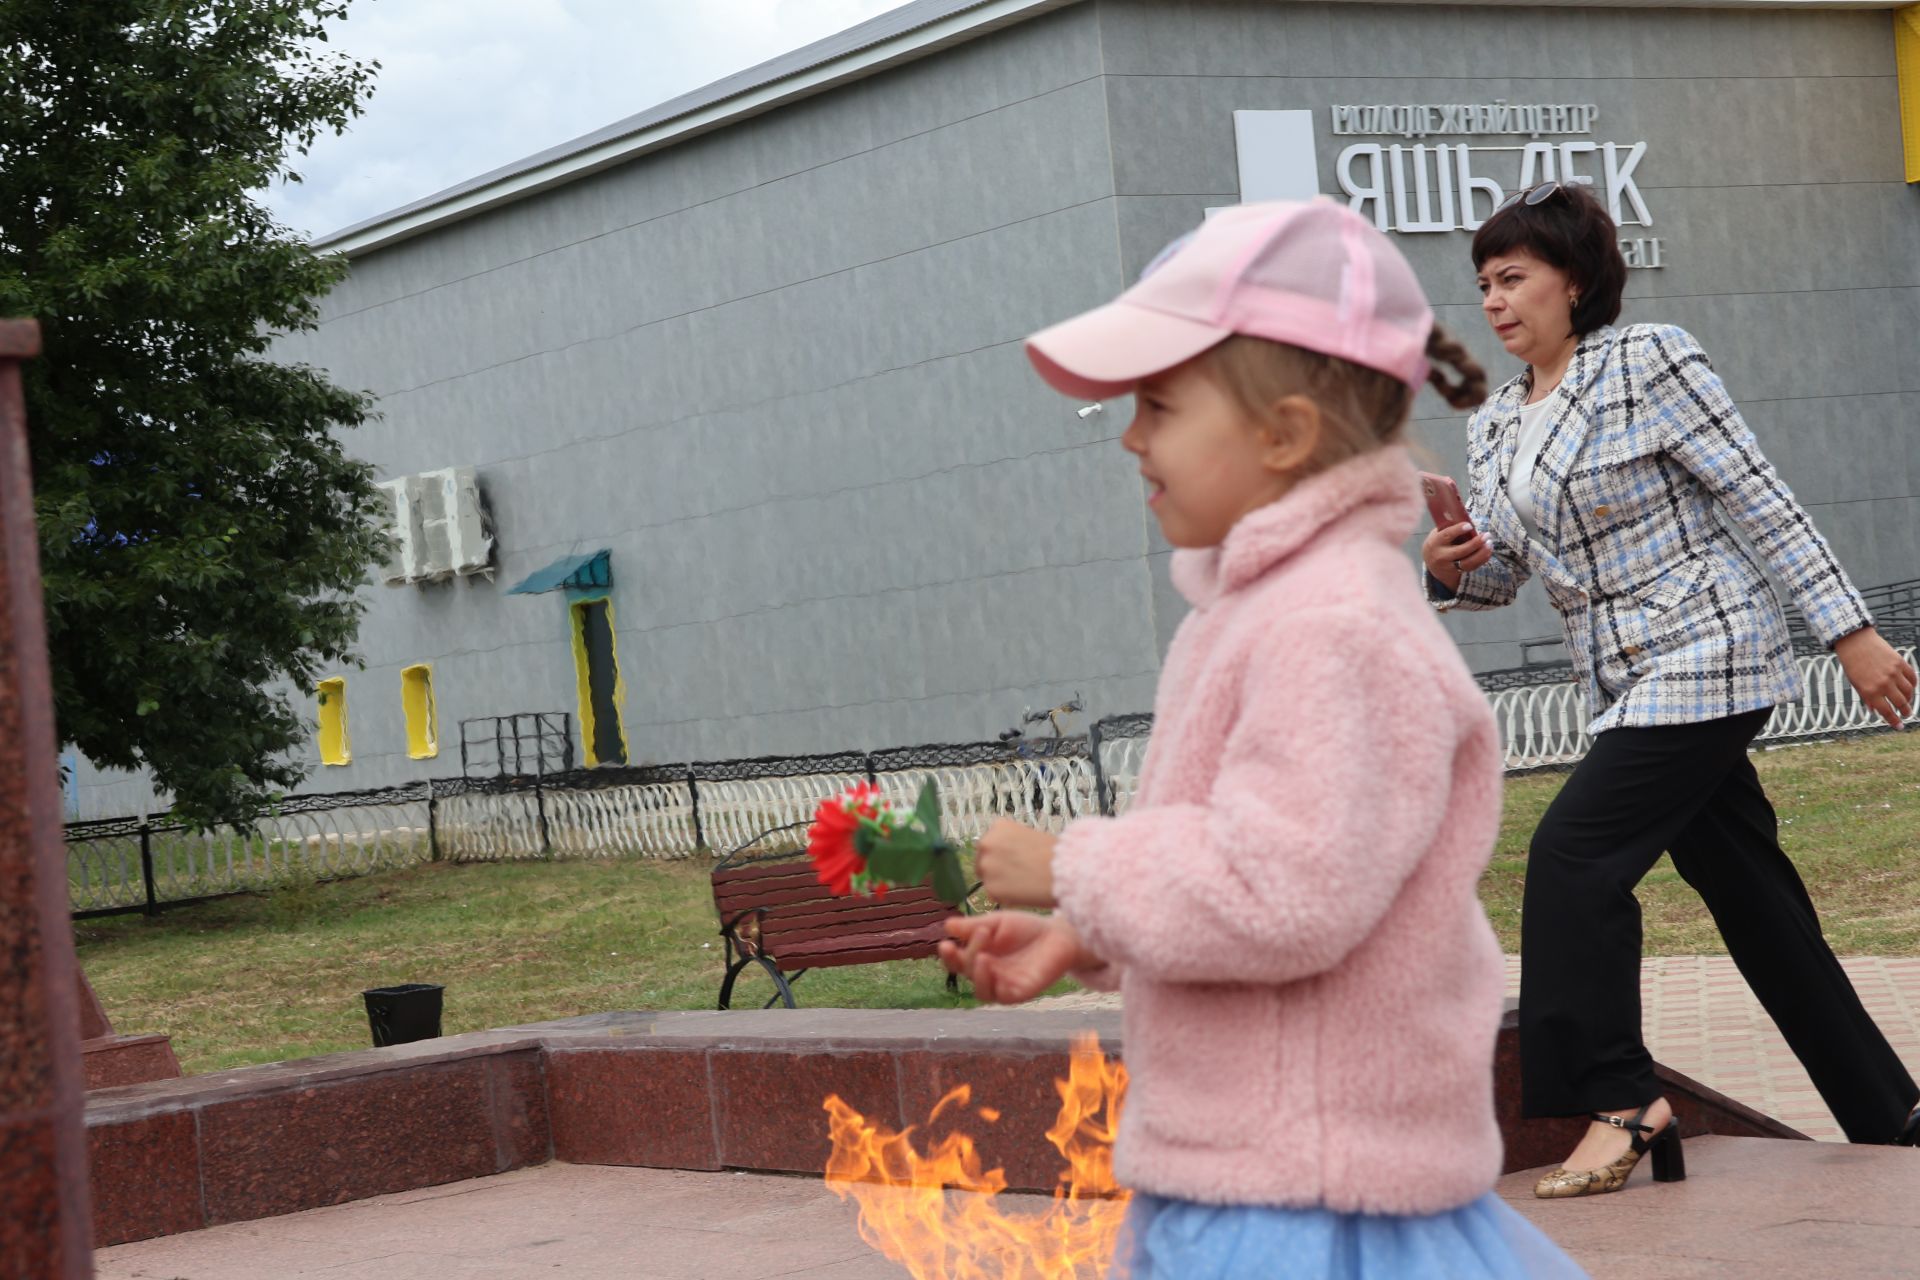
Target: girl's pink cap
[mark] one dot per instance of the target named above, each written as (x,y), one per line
(1313,275)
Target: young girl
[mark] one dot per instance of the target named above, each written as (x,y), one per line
(1311,989)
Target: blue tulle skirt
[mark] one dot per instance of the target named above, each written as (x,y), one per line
(1180,1240)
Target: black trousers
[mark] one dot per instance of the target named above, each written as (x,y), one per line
(1689,790)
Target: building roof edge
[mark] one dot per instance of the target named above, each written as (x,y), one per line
(901,35)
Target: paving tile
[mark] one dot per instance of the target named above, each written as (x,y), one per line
(1701,1020)
(1752,1207)
(238,1251)
(584,1223)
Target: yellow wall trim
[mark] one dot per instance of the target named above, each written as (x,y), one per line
(576,619)
(1906,57)
(423,717)
(335,746)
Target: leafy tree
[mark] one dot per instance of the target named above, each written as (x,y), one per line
(202,529)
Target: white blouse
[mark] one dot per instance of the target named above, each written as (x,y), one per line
(1533,433)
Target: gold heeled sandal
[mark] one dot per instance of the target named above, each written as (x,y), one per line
(1669,1161)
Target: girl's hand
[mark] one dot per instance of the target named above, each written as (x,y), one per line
(1015,864)
(1012,956)
(1452,551)
(1882,678)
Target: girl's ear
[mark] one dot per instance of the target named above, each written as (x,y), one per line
(1293,434)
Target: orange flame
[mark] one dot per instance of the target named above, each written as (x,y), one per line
(908,1213)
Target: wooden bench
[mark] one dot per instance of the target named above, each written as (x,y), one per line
(775,913)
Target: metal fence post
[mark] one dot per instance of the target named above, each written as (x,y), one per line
(540,809)
(433,821)
(872,777)
(146,869)
(1100,795)
(693,790)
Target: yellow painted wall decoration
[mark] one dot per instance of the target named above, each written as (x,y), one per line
(423,718)
(577,613)
(335,747)
(1906,57)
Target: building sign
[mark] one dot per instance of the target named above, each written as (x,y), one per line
(1416,187)
(1496,117)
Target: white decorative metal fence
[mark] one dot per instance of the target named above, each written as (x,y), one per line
(736,809)
(678,819)
(135,863)
(1546,724)
(1046,794)
(654,820)
(489,826)
(680,811)
(105,867)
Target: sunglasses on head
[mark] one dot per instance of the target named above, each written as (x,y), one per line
(1538,196)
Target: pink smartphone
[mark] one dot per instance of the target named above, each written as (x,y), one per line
(1443,500)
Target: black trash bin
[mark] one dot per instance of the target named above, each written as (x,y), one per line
(402,1014)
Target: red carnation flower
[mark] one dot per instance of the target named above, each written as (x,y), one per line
(830,838)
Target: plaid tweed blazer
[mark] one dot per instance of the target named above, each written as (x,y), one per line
(1667,616)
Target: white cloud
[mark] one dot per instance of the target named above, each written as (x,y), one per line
(466,86)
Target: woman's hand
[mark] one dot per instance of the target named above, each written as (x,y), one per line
(1883,679)
(1452,551)
(1011,956)
(1015,864)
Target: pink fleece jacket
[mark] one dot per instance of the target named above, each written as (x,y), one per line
(1311,988)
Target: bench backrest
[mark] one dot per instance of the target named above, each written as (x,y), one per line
(798,908)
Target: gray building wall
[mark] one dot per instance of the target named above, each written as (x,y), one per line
(777,368)
(1773,175)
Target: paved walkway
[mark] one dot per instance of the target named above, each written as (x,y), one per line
(1750,1207)
(581,1222)
(1700,1019)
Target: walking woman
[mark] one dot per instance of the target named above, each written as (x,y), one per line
(1598,469)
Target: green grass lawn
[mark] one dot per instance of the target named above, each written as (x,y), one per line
(259,978)
(1849,819)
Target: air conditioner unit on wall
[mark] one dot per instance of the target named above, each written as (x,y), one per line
(440,526)
(436,545)
(472,529)
(406,509)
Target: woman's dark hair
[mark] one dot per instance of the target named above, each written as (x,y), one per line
(1569,230)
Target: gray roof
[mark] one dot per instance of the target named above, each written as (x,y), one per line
(888,26)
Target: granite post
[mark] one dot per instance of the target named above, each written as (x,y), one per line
(45,1216)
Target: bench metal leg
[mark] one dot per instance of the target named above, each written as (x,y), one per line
(785,985)
(784,992)
(726,984)
(783,988)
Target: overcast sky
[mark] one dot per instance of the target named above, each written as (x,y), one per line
(469,85)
